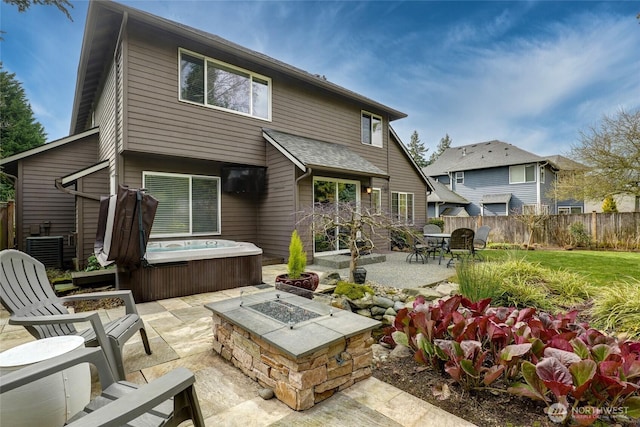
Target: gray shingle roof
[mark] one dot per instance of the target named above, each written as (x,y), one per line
(441,193)
(480,156)
(308,152)
(495,198)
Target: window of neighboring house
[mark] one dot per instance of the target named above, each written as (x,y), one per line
(535,209)
(459,177)
(188,205)
(567,210)
(371,129)
(376,200)
(542,174)
(402,207)
(522,173)
(218,85)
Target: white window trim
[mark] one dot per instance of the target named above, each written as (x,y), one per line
(459,178)
(569,208)
(525,174)
(372,115)
(215,107)
(378,207)
(190,176)
(413,205)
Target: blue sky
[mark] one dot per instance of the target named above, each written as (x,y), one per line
(530,73)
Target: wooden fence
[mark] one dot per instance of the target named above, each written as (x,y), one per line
(602,230)
(7,224)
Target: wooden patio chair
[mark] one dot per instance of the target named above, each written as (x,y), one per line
(166,401)
(26,293)
(460,244)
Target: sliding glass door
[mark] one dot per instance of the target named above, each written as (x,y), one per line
(330,193)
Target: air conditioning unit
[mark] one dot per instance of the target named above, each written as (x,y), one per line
(47,250)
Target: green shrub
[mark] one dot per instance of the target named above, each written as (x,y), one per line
(579,235)
(437,221)
(93,264)
(297,257)
(616,308)
(352,291)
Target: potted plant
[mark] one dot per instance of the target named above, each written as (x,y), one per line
(296,276)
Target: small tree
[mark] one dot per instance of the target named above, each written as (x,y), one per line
(609,205)
(297,257)
(358,226)
(533,220)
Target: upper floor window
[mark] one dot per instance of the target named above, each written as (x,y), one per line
(402,207)
(535,209)
(522,173)
(215,84)
(188,205)
(459,177)
(371,129)
(543,174)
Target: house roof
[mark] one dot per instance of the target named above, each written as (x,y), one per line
(441,193)
(405,151)
(482,155)
(455,211)
(495,198)
(307,152)
(105,23)
(566,164)
(48,146)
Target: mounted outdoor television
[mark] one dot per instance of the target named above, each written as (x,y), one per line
(243,179)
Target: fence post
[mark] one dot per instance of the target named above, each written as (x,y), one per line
(594,226)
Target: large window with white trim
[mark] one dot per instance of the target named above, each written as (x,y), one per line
(522,173)
(371,129)
(188,205)
(568,210)
(215,84)
(402,207)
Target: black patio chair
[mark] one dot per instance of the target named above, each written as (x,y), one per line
(460,244)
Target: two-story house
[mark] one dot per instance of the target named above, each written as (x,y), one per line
(493,178)
(231,142)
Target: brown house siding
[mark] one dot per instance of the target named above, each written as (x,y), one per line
(40,202)
(106,119)
(276,215)
(87,213)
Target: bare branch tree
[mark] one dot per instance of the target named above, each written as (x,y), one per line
(349,226)
(532,220)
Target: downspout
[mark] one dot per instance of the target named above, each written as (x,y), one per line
(116,154)
(60,187)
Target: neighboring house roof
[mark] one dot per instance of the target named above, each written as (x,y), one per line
(457,211)
(102,32)
(488,199)
(480,156)
(565,164)
(307,152)
(48,146)
(441,193)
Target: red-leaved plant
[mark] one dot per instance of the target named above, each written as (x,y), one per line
(550,358)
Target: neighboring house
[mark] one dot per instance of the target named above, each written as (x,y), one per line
(231,142)
(492,178)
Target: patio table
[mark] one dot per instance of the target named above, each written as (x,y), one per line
(49,401)
(443,242)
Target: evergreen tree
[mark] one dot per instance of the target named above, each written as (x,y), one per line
(19,131)
(417,150)
(442,146)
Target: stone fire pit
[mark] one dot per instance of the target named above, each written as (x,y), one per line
(302,349)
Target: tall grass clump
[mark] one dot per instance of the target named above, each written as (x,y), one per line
(616,308)
(516,282)
(478,281)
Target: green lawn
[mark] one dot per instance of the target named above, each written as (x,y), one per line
(601,267)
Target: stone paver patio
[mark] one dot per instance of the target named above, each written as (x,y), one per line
(180,333)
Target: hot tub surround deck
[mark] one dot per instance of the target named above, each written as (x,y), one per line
(304,363)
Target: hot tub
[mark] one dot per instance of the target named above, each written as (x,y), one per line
(185,267)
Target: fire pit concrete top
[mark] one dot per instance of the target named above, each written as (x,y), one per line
(295,339)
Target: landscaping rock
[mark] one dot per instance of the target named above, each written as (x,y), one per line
(382,301)
(266,393)
(390,312)
(400,352)
(378,311)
